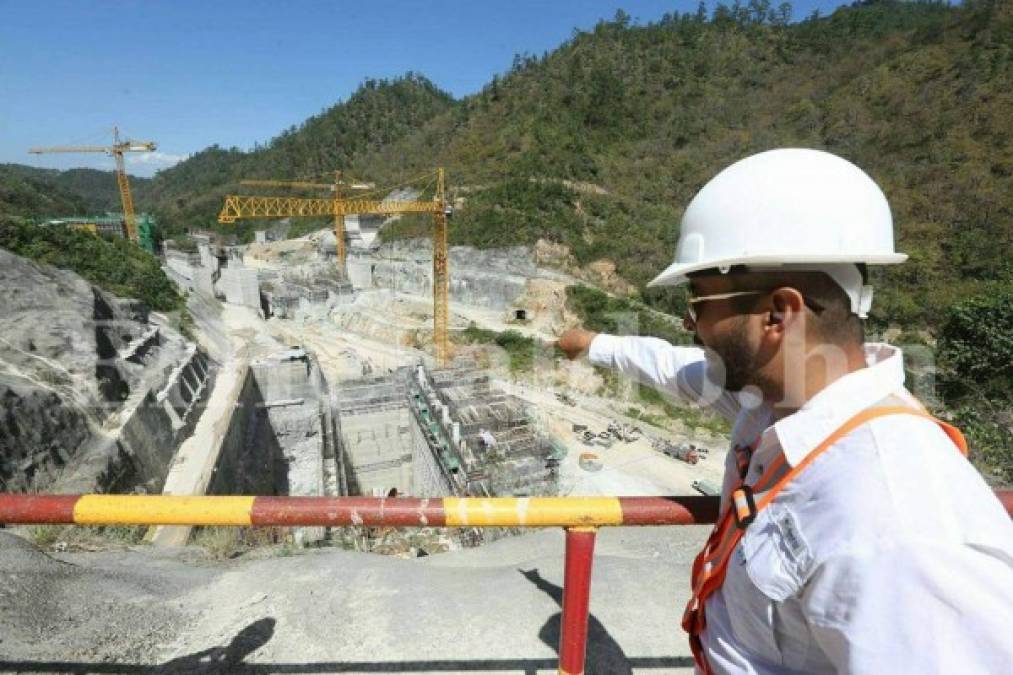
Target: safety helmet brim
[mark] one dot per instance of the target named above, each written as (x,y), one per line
(675,274)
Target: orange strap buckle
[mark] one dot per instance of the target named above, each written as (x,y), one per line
(743,506)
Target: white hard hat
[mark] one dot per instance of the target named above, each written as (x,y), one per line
(792,207)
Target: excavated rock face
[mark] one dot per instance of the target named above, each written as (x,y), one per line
(52,381)
(599,272)
(48,331)
(71,356)
(38,434)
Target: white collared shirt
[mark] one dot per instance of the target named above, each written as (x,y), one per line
(888,554)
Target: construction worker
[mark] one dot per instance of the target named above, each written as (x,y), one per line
(854,535)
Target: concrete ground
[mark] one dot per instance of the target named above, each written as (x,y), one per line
(494,609)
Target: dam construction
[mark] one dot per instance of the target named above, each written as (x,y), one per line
(333,390)
(295,379)
(331,452)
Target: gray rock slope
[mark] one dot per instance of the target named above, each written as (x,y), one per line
(73,359)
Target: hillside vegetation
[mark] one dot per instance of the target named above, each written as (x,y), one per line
(113,264)
(918,94)
(601,143)
(189,195)
(34,193)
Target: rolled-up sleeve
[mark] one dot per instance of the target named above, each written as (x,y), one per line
(681,372)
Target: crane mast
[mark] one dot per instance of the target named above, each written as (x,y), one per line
(339,229)
(441,278)
(116,150)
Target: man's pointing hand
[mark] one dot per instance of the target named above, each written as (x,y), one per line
(575,342)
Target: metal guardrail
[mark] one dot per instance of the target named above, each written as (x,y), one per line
(580,516)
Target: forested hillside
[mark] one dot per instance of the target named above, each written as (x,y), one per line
(601,143)
(920,95)
(31,192)
(380,113)
(113,263)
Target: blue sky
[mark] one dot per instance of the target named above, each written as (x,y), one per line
(189,74)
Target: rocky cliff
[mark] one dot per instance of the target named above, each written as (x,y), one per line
(80,369)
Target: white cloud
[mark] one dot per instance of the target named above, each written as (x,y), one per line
(159,160)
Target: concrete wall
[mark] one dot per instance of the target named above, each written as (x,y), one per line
(154,432)
(428,479)
(283,380)
(268,449)
(274,444)
(377,444)
(360,270)
(236,471)
(240,286)
(204,279)
(185,385)
(149,439)
(207,258)
(185,283)
(493,279)
(375,436)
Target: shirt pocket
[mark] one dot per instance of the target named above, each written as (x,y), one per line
(774,559)
(776,553)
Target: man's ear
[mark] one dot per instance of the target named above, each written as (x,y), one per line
(785,308)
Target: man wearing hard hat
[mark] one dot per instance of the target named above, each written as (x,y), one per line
(854,535)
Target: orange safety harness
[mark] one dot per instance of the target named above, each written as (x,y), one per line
(748,500)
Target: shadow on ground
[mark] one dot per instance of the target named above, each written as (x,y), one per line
(604,656)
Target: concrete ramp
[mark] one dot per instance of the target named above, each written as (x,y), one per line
(192,469)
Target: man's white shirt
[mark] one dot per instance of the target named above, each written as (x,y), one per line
(888,554)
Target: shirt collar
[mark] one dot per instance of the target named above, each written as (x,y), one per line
(800,432)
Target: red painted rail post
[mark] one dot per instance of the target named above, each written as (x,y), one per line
(576,599)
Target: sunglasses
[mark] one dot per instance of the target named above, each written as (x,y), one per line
(694,300)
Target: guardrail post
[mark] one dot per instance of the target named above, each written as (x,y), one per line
(576,599)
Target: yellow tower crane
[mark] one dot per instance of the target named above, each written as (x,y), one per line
(238,206)
(116,150)
(339,218)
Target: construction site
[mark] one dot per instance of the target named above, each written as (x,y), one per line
(387,409)
(327,365)
(330,365)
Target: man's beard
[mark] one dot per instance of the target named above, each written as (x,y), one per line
(740,368)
